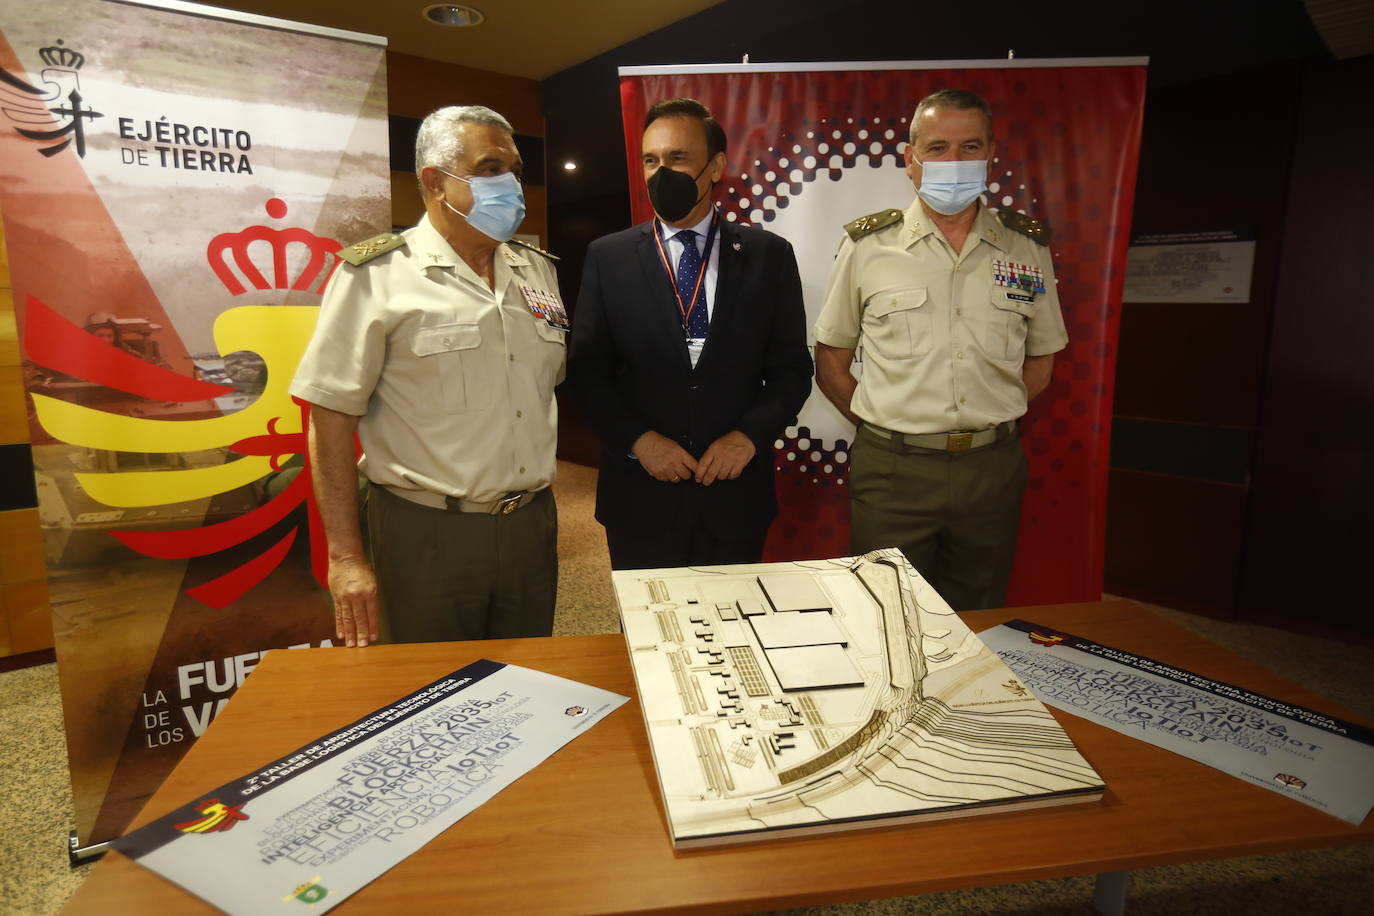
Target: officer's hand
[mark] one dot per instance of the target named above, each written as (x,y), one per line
(663,459)
(353,585)
(726,458)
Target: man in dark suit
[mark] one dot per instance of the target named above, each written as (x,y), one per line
(689,358)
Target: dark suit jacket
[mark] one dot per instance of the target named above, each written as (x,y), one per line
(629,369)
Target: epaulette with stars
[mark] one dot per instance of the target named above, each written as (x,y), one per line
(866,225)
(1032,228)
(366,250)
(535,248)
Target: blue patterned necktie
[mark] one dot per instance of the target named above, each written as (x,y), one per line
(688,269)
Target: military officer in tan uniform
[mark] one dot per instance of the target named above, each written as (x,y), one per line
(441,347)
(956,312)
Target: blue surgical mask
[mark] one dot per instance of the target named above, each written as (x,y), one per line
(949,187)
(498,204)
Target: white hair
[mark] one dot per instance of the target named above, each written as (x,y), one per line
(437,142)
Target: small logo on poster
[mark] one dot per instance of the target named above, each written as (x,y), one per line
(311,891)
(575,711)
(55,114)
(1045,639)
(215,816)
(1293,782)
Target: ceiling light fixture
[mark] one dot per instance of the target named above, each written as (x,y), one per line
(455,15)
(570,166)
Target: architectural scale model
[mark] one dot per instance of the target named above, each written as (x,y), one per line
(790,698)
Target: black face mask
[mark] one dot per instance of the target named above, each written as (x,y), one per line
(674,193)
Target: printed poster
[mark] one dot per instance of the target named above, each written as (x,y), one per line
(1191,267)
(1304,754)
(174,185)
(318,824)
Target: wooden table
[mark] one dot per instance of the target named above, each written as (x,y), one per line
(585,832)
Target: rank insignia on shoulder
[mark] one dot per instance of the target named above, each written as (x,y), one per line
(866,225)
(535,248)
(1032,228)
(366,250)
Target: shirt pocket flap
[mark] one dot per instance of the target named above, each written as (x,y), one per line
(550,333)
(446,338)
(887,301)
(1024,309)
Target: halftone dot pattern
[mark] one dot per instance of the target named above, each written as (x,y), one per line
(779,173)
(1067,148)
(813,495)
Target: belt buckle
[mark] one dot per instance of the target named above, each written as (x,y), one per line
(508,504)
(959,442)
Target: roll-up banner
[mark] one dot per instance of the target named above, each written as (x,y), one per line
(176,178)
(813,146)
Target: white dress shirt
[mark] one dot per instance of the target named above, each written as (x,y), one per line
(708,283)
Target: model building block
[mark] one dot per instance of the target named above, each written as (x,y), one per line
(792,698)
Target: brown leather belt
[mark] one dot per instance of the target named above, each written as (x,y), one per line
(503,506)
(947,442)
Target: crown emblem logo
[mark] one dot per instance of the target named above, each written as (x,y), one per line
(268,434)
(59,55)
(238,248)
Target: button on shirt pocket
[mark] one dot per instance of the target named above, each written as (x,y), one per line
(1007,323)
(450,352)
(896,323)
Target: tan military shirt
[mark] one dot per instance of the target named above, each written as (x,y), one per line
(941,339)
(453,382)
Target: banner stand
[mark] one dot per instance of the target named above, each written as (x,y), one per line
(78,855)
(171,213)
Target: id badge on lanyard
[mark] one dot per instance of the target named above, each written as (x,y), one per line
(697,294)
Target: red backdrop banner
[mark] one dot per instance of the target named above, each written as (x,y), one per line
(814,146)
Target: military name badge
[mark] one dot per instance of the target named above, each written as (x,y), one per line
(1021,281)
(546,307)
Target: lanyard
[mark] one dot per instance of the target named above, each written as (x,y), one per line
(686,310)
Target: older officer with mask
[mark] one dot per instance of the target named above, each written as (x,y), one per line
(441,347)
(956,309)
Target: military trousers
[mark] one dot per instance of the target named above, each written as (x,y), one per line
(954,515)
(447,575)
